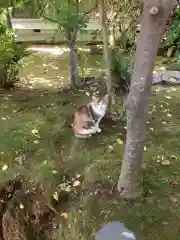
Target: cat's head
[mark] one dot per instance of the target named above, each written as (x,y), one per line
(100,104)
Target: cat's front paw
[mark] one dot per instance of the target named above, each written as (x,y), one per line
(98,130)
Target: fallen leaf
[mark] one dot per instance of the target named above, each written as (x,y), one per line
(4,167)
(55,196)
(173,157)
(172,182)
(35,131)
(169,115)
(168,97)
(19,159)
(36,142)
(165,162)
(76,183)
(62,186)
(110,147)
(119,141)
(152,129)
(54,172)
(64,215)
(21,206)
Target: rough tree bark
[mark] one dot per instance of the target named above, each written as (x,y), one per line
(155,15)
(107,56)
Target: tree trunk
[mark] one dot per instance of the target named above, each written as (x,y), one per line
(107,55)
(72,63)
(155,15)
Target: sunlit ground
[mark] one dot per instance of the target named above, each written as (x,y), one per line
(48,66)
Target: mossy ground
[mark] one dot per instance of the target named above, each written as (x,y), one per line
(51,152)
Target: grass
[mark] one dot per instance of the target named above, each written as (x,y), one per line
(51,69)
(37,126)
(57,153)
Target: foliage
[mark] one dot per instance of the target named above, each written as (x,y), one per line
(173,33)
(123,17)
(68,15)
(70,18)
(121,68)
(171,39)
(11,56)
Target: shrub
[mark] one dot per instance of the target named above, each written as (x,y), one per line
(10,57)
(10,63)
(121,68)
(171,40)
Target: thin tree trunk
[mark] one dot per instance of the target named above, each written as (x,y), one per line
(72,63)
(155,15)
(107,55)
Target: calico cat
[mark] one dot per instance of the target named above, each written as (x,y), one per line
(87,117)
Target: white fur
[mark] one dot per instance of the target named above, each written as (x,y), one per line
(100,110)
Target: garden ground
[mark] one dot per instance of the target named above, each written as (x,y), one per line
(36,140)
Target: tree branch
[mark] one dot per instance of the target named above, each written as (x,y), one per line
(90,10)
(47,18)
(83,16)
(41,11)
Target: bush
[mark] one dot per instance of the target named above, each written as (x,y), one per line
(121,68)
(10,63)
(10,57)
(171,40)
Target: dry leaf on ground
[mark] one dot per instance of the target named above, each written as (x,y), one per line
(76,183)
(4,167)
(165,162)
(55,196)
(64,215)
(20,159)
(172,182)
(119,141)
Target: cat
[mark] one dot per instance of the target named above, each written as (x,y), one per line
(88,117)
